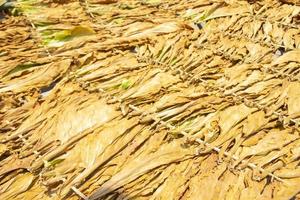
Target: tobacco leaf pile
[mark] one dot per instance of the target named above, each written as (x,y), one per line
(150,99)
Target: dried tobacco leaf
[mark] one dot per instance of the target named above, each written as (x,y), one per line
(150,99)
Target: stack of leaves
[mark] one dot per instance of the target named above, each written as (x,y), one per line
(150,99)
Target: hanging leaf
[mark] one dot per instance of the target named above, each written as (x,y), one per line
(150,99)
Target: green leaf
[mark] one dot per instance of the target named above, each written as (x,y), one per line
(125,84)
(28,8)
(42,23)
(48,164)
(62,35)
(56,38)
(22,67)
